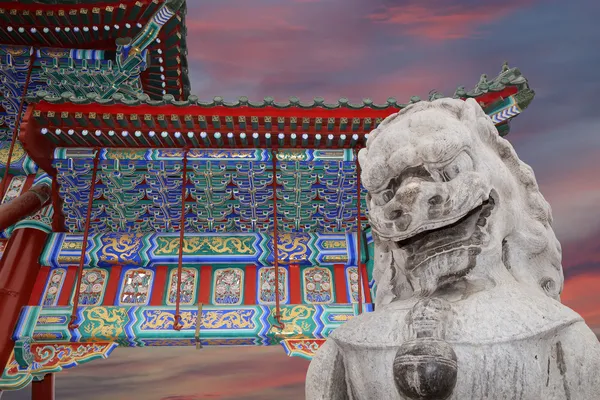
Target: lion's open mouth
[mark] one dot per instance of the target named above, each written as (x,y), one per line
(465,236)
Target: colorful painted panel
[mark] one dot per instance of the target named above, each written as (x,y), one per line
(267,285)
(317,285)
(370,262)
(3,244)
(197,154)
(352,285)
(305,348)
(41,220)
(189,285)
(54,286)
(15,188)
(149,325)
(91,290)
(149,250)
(228,286)
(136,286)
(51,358)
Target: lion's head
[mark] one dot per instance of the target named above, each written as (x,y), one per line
(449,199)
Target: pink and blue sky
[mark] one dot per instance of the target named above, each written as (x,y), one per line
(380,49)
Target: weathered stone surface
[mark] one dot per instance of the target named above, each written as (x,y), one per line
(468,273)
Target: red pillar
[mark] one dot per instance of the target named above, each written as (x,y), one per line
(18,270)
(26,204)
(44,389)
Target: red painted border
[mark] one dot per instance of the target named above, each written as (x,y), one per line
(313,112)
(205,284)
(159,286)
(222,111)
(68,286)
(112,288)
(339,275)
(489,97)
(39,286)
(250,284)
(295,284)
(365,283)
(44,389)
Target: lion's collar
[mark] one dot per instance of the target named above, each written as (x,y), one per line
(504,313)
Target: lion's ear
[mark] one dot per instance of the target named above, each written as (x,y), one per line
(362,157)
(471,111)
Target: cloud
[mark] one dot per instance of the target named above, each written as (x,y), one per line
(401,84)
(565,165)
(438,20)
(259,48)
(180,373)
(581,294)
(581,256)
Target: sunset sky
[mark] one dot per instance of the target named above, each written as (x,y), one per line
(380,49)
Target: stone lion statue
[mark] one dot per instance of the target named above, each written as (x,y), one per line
(468,273)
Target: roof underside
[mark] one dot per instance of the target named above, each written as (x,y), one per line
(227,190)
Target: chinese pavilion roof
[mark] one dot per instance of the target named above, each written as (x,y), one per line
(83,48)
(74,121)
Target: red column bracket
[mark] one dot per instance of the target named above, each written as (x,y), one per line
(86,232)
(250,284)
(44,389)
(111,294)
(176,324)
(161,277)
(339,273)
(295,284)
(19,269)
(204,295)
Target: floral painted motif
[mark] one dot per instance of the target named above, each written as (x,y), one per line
(266,285)
(14,188)
(91,290)
(188,286)
(228,286)
(352,279)
(135,289)
(55,282)
(317,285)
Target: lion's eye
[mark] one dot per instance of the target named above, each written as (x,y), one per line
(461,163)
(387,196)
(382,198)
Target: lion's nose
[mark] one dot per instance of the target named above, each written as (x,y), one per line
(393,213)
(400,218)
